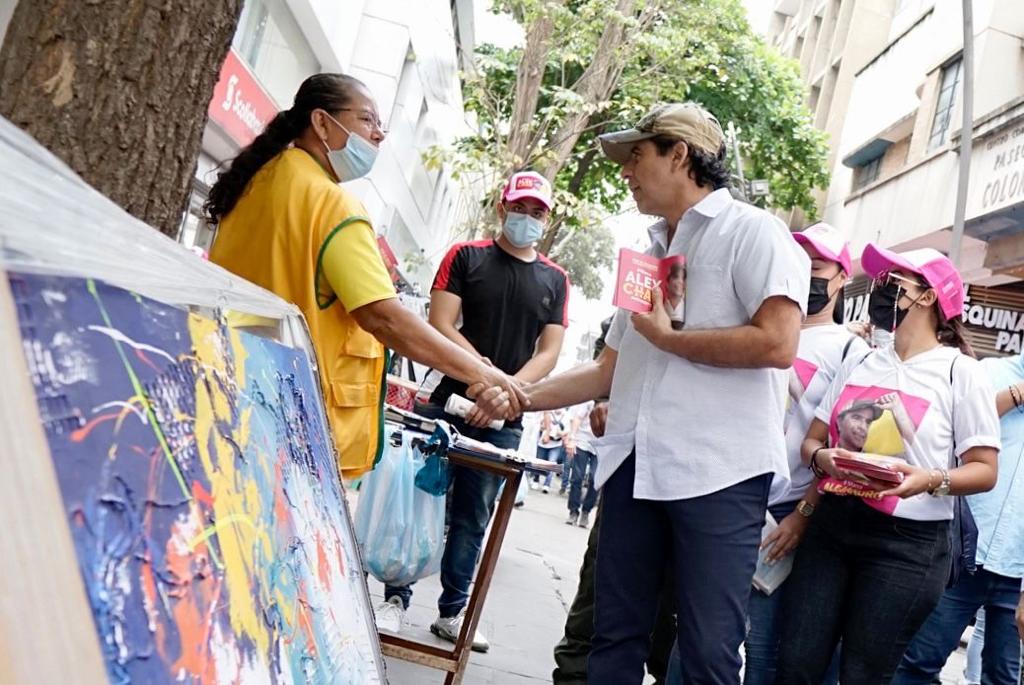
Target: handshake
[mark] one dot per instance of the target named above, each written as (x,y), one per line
(498,397)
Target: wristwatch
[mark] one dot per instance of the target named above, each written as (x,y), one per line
(943,489)
(805,508)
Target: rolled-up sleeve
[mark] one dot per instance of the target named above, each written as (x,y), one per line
(769,263)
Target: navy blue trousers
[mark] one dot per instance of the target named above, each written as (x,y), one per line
(711,544)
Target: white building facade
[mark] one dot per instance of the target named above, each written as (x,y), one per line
(896,172)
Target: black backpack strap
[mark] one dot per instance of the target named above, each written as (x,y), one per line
(846,347)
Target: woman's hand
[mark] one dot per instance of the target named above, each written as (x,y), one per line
(784,539)
(655,324)
(915,481)
(824,458)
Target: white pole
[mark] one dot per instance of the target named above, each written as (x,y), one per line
(966,134)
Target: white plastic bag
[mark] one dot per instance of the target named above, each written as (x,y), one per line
(399,526)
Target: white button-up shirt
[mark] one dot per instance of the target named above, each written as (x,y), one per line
(698,429)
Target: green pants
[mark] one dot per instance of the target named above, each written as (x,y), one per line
(572,650)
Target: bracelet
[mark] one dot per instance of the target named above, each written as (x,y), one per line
(931,488)
(1018,401)
(818,471)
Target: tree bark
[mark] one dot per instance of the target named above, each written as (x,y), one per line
(119,89)
(547,243)
(529,77)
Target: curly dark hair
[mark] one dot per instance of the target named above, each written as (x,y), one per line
(705,169)
(330,92)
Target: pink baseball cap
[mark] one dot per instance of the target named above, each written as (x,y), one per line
(935,267)
(528,184)
(829,243)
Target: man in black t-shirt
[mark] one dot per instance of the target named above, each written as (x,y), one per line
(513,303)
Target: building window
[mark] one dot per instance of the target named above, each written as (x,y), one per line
(944,104)
(867,173)
(272,44)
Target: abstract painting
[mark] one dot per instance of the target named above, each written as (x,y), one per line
(201,492)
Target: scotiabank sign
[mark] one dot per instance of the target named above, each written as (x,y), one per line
(240,106)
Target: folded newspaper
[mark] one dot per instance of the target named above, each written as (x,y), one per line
(768,577)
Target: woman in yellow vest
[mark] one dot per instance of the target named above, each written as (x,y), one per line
(286,224)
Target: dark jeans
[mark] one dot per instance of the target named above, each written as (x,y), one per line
(865,578)
(555,454)
(709,542)
(573,649)
(761,647)
(471,498)
(580,463)
(940,635)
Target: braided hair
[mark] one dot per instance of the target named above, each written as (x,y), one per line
(951,332)
(329,92)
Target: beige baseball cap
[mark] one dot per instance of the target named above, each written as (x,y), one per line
(686,121)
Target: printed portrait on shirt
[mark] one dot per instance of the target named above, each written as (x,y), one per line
(876,420)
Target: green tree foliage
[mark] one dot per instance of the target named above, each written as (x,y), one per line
(591,66)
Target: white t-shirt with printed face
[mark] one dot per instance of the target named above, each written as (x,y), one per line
(888,406)
(822,351)
(696,428)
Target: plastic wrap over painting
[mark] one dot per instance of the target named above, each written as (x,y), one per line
(201,492)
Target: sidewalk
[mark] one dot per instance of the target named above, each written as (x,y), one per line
(525,610)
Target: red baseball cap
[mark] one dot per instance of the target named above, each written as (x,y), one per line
(829,243)
(528,184)
(933,266)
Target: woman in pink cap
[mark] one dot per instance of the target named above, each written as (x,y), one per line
(876,556)
(825,346)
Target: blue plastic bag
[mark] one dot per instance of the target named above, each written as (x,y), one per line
(400,527)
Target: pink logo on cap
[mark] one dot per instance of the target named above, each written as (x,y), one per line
(528,184)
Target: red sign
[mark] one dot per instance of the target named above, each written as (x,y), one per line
(390,260)
(240,105)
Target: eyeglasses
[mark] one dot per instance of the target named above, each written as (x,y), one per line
(895,279)
(368,118)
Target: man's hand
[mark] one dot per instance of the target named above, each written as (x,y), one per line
(599,419)
(784,539)
(497,396)
(570,447)
(655,324)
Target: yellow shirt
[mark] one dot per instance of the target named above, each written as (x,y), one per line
(300,235)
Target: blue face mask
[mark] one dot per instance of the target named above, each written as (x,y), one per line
(355,159)
(522,230)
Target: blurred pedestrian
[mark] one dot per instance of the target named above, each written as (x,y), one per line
(581,451)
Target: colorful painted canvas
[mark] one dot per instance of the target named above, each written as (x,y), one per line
(201,492)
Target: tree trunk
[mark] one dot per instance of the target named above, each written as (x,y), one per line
(547,243)
(529,77)
(119,90)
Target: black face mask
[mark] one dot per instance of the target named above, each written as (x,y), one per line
(818,297)
(883,309)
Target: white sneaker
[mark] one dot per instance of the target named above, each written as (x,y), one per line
(449,629)
(584,520)
(390,615)
(571,521)
(545,489)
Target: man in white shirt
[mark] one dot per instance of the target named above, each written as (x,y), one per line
(695,424)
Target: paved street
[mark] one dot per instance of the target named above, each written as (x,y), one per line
(525,611)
